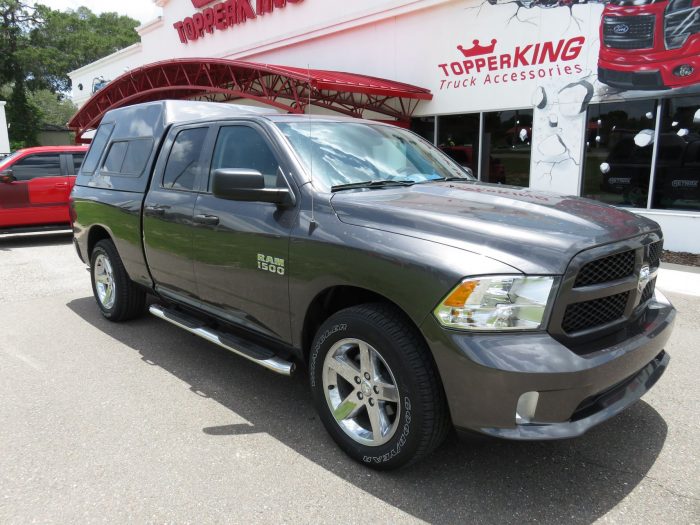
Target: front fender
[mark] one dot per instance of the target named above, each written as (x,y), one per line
(412,273)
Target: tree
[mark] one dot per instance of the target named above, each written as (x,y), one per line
(54,108)
(38,48)
(16,19)
(68,40)
(23,117)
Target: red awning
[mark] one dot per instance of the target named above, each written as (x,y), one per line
(287,88)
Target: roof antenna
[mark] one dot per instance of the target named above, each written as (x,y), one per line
(313,224)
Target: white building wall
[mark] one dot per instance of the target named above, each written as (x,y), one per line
(4,139)
(681,229)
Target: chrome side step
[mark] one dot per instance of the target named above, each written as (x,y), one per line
(251,351)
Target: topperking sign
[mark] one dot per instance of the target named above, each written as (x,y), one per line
(223,15)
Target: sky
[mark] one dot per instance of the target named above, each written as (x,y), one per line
(141,10)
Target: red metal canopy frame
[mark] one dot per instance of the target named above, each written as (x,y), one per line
(288,88)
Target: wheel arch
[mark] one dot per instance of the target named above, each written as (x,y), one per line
(95,235)
(335,298)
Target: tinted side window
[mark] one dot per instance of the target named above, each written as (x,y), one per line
(98,145)
(37,166)
(115,157)
(243,147)
(184,160)
(137,156)
(128,157)
(77,161)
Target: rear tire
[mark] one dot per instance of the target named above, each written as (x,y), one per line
(376,387)
(118,297)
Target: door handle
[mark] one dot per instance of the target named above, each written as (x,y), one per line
(61,185)
(209,220)
(155,210)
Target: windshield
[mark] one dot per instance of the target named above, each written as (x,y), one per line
(339,153)
(7,160)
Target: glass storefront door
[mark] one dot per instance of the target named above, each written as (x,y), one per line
(507,140)
(458,136)
(677,178)
(619,147)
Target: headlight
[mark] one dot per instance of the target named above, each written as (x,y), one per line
(498,302)
(681,20)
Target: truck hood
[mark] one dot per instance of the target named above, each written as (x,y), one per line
(535,232)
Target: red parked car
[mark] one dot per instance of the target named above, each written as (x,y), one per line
(35,184)
(650,44)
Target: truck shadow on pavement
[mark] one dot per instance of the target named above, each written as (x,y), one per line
(485,481)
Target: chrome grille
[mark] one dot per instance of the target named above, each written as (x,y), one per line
(629,32)
(600,291)
(648,291)
(589,314)
(654,256)
(606,269)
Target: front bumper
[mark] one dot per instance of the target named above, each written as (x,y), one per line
(484,375)
(649,71)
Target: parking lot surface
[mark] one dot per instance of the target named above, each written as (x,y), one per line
(142,422)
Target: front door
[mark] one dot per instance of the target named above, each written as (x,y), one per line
(168,210)
(241,248)
(39,195)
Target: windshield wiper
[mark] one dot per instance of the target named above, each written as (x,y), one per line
(449,179)
(372,184)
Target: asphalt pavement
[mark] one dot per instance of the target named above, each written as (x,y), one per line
(143,423)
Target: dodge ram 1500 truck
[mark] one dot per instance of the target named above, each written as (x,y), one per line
(417,298)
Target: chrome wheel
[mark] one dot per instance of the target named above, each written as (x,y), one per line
(104,281)
(361,392)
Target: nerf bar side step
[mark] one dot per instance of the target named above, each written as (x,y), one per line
(250,351)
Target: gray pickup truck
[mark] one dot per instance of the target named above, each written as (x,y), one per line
(417,298)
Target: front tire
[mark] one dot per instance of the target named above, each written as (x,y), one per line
(376,387)
(117,296)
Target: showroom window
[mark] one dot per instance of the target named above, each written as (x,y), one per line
(425,127)
(506,147)
(677,173)
(501,139)
(458,136)
(619,151)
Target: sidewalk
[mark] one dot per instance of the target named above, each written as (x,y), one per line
(679,279)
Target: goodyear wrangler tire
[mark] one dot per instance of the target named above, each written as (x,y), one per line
(117,296)
(376,388)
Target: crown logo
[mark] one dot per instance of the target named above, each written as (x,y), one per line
(477,49)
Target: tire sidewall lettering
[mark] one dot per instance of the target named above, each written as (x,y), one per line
(396,449)
(341,327)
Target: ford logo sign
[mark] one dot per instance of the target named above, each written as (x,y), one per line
(620,29)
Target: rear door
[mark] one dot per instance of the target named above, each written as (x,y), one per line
(73,162)
(241,248)
(39,195)
(168,210)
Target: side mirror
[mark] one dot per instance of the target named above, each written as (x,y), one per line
(7,177)
(249,186)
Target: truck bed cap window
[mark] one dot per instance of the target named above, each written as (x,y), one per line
(97,147)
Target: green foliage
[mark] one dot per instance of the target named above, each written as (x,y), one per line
(38,48)
(23,117)
(54,109)
(68,40)
(16,20)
